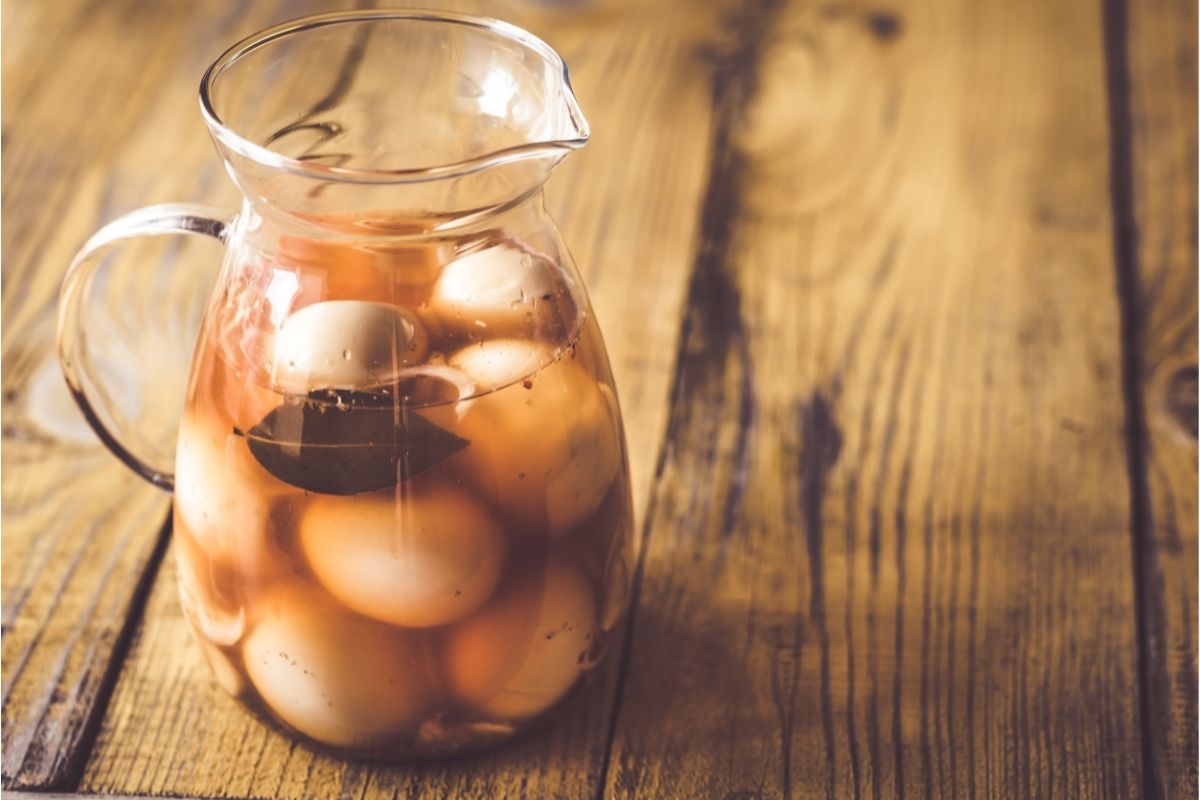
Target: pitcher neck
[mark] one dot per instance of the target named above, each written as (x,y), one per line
(266,223)
(459,196)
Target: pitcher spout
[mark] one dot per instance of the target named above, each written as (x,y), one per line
(546,111)
(442,114)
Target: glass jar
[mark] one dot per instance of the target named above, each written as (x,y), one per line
(402,517)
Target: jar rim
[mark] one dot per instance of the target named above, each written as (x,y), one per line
(266,157)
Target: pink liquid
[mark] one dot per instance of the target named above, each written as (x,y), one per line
(451,578)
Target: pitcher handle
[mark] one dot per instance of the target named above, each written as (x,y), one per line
(121,438)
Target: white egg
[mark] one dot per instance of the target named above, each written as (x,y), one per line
(546,448)
(223,498)
(338,678)
(416,557)
(502,286)
(346,344)
(523,651)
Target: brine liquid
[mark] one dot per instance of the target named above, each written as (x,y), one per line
(411,567)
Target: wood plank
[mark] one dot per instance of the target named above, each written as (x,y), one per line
(79,529)
(888,551)
(62,796)
(1157,98)
(630,206)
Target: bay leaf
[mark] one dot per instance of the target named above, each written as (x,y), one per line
(345,443)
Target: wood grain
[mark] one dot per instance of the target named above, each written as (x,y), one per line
(63,796)
(630,207)
(909,377)
(80,530)
(888,550)
(1156,94)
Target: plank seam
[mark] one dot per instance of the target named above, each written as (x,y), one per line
(72,773)
(734,80)
(1148,605)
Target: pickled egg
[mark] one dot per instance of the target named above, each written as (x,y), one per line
(222,668)
(502,286)
(207,596)
(346,344)
(545,448)
(523,651)
(338,678)
(618,582)
(495,363)
(223,497)
(415,557)
(604,545)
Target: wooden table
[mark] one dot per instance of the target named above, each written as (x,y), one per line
(901,297)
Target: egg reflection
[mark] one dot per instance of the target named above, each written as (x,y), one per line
(224,671)
(338,678)
(417,557)
(523,651)
(247,403)
(546,448)
(381,268)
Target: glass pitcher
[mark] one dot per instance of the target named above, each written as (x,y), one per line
(402,518)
